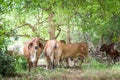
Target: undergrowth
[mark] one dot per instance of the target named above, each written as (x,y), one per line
(94,70)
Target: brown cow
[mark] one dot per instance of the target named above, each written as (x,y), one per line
(32,50)
(74,50)
(51,52)
(110,50)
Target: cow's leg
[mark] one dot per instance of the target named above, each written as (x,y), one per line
(35,65)
(51,62)
(51,65)
(81,61)
(67,62)
(29,65)
(47,63)
(60,63)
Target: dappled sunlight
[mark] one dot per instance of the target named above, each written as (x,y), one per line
(76,40)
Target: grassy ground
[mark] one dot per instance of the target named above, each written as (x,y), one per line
(90,71)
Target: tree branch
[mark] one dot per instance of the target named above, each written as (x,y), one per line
(20,35)
(37,23)
(59,30)
(26,24)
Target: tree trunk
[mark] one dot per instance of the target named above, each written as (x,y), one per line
(102,39)
(51,26)
(68,35)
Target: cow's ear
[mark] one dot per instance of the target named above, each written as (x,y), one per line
(41,45)
(30,45)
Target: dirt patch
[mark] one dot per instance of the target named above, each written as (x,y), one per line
(72,74)
(39,77)
(79,74)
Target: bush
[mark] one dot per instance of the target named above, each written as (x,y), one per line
(7,66)
(20,63)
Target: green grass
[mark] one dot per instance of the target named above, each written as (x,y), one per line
(94,64)
(105,74)
(94,70)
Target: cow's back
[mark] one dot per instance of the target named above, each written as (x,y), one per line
(52,52)
(74,50)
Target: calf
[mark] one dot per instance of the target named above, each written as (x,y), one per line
(51,52)
(74,50)
(32,50)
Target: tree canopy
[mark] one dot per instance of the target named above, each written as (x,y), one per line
(94,19)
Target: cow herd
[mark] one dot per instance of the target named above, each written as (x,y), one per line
(55,52)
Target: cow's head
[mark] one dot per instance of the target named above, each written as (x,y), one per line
(35,43)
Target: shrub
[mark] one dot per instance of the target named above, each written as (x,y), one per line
(7,66)
(20,63)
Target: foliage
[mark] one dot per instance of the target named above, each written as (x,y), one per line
(11,65)
(87,19)
(7,66)
(92,70)
(20,63)
(96,18)
(112,28)
(95,64)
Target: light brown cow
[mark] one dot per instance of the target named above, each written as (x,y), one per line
(32,50)
(74,50)
(51,52)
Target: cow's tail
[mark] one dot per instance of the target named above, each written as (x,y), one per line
(55,47)
(53,60)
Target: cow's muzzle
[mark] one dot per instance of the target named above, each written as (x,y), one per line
(36,47)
